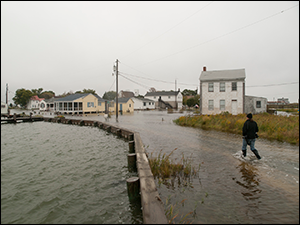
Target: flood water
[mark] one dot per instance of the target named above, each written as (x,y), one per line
(227,189)
(64,174)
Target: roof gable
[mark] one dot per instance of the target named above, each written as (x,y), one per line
(35,97)
(142,99)
(223,75)
(123,100)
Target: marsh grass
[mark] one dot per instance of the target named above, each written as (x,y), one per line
(167,171)
(164,167)
(273,127)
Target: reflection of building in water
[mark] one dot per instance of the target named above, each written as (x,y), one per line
(250,181)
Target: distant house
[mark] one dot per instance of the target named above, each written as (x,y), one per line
(125,94)
(224,90)
(125,105)
(166,99)
(36,103)
(280,101)
(143,103)
(4,108)
(79,104)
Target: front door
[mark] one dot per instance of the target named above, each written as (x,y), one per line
(234,107)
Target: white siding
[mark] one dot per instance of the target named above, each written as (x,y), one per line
(141,104)
(216,95)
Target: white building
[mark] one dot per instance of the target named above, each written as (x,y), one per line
(255,104)
(37,103)
(143,103)
(166,99)
(221,91)
(4,108)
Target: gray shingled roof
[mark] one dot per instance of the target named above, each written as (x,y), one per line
(223,75)
(143,99)
(123,100)
(161,93)
(73,97)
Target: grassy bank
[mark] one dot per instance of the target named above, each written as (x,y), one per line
(273,127)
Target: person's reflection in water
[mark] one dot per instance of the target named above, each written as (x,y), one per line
(250,181)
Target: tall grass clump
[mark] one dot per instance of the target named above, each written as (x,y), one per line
(168,172)
(273,127)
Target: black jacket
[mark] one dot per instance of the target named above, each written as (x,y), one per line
(249,129)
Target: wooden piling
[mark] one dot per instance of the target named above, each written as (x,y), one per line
(130,137)
(131,158)
(131,147)
(133,187)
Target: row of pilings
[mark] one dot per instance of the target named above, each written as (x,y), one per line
(142,187)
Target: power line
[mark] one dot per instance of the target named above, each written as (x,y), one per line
(147,78)
(135,82)
(170,29)
(267,85)
(221,35)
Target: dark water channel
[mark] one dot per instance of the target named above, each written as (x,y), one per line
(228,189)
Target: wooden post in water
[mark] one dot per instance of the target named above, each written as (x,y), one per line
(133,187)
(30,116)
(131,147)
(130,137)
(131,158)
(15,117)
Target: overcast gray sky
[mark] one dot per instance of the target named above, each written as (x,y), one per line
(68,46)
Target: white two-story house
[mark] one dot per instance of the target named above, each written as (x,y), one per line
(221,91)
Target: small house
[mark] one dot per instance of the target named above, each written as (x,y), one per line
(166,99)
(36,103)
(143,103)
(4,108)
(86,103)
(125,105)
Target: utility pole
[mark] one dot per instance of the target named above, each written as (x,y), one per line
(7,94)
(117,110)
(175,94)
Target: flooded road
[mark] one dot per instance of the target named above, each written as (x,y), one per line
(228,189)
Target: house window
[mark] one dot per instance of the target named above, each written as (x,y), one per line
(169,96)
(210,87)
(233,86)
(154,97)
(222,104)
(258,104)
(90,104)
(144,103)
(149,103)
(222,87)
(210,104)
(129,105)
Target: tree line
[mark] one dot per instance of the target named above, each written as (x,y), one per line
(22,96)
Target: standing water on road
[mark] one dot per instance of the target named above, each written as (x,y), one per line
(228,189)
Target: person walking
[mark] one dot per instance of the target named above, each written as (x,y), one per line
(250,130)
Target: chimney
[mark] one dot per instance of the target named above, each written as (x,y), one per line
(204,68)
(178,89)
